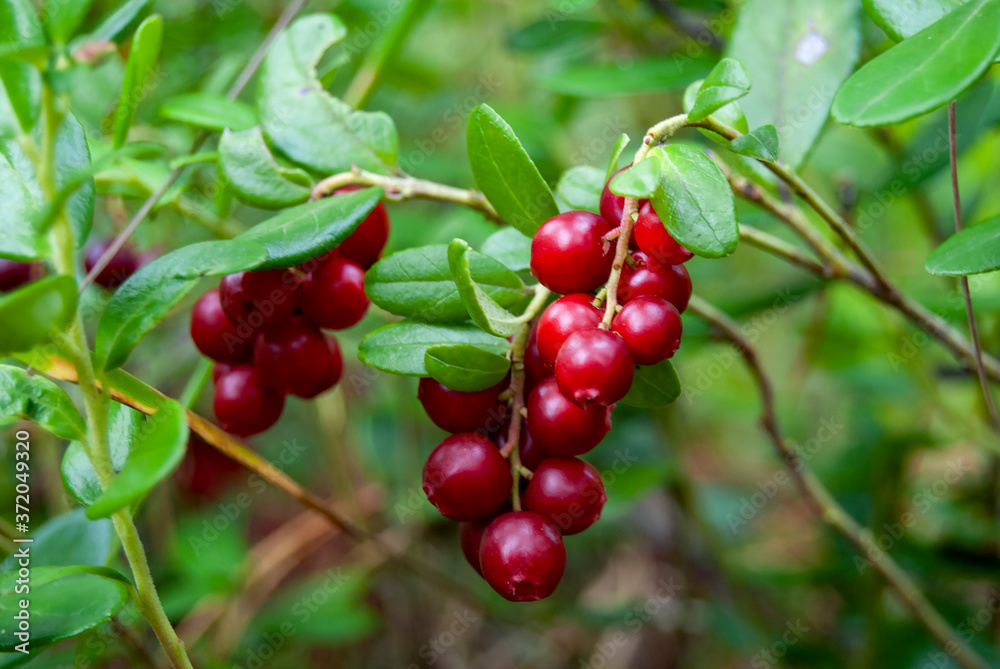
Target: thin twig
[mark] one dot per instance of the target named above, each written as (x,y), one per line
(824,504)
(691,27)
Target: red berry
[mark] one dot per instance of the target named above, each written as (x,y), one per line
(562,428)
(534,368)
(259,301)
(470,537)
(204,472)
(654,240)
(333,296)
(123,264)
(243,404)
(594,366)
(455,411)
(651,327)
(522,556)
(530,453)
(653,279)
(218,369)
(214,334)
(561,319)
(568,254)
(567,491)
(613,206)
(369,238)
(15,274)
(298,359)
(466,478)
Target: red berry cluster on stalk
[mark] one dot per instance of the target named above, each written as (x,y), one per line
(575,369)
(264,330)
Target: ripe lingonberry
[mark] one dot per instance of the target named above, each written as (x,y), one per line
(562,428)
(534,368)
(522,556)
(594,366)
(651,327)
(561,319)
(214,334)
(569,255)
(333,296)
(298,359)
(567,491)
(653,239)
(529,452)
(15,274)
(455,411)
(470,538)
(613,206)
(259,301)
(654,279)
(466,478)
(122,265)
(368,239)
(243,404)
(220,368)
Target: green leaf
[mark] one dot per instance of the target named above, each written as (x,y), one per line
(209,110)
(149,294)
(254,174)
(640,180)
(655,75)
(69,539)
(464,367)
(23,86)
(63,17)
(33,312)
(308,124)
(483,309)
(65,602)
(504,172)
(798,52)
(139,71)
(694,201)
(307,230)
(507,246)
(901,20)
(731,114)
(418,284)
(22,31)
(73,160)
(79,475)
(727,82)
(616,152)
(155,450)
(925,71)
(399,348)
(19,192)
(29,397)
(580,187)
(653,386)
(115,23)
(761,144)
(974,250)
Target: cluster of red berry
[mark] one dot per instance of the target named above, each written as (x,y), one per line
(122,265)
(264,330)
(575,371)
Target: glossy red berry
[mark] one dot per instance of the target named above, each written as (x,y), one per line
(466,478)
(653,239)
(562,428)
(568,254)
(123,264)
(529,452)
(220,368)
(522,556)
(613,206)
(470,538)
(215,335)
(243,404)
(367,241)
(298,359)
(534,368)
(653,279)
(15,274)
(259,301)
(651,327)
(562,318)
(455,411)
(333,296)
(594,366)
(568,492)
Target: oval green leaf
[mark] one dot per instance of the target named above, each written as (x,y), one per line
(20,195)
(654,386)
(209,110)
(508,247)
(26,396)
(418,284)
(79,475)
(72,170)
(761,144)
(504,172)
(69,539)
(925,71)
(399,348)
(254,174)
(900,20)
(974,250)
(464,367)
(580,187)
(34,312)
(727,82)
(483,309)
(140,69)
(63,17)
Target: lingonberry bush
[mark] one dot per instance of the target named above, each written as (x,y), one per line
(204,300)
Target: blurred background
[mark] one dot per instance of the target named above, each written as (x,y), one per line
(705,556)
